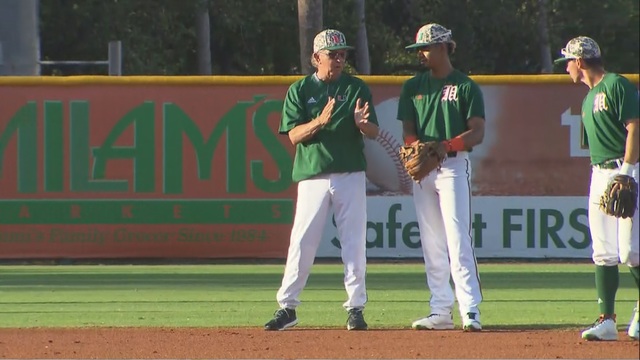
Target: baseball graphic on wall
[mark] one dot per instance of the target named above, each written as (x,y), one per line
(384,168)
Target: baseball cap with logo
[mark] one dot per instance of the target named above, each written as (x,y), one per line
(330,40)
(580,47)
(431,34)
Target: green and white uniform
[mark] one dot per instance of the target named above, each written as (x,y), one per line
(605,112)
(440,108)
(338,147)
(330,171)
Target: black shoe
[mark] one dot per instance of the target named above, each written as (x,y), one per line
(282,319)
(356,320)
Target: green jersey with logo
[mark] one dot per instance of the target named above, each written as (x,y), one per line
(605,111)
(338,147)
(440,107)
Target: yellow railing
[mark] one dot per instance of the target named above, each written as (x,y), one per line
(261,80)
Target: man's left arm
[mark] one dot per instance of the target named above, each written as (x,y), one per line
(473,103)
(370,130)
(627,108)
(475,134)
(368,122)
(632,147)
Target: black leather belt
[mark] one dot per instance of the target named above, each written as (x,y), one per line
(610,164)
(452,154)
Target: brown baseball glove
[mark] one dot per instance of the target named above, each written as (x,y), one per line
(420,158)
(620,199)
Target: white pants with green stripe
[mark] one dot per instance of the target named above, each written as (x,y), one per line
(345,194)
(612,239)
(443,209)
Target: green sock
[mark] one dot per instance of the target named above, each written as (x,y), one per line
(635,271)
(607,279)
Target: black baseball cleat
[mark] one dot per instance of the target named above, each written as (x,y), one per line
(355,321)
(282,319)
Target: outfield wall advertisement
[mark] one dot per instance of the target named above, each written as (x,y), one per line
(502,227)
(94,167)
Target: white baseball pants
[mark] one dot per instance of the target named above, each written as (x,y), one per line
(612,239)
(345,193)
(443,209)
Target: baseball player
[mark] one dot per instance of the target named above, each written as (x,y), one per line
(446,106)
(610,118)
(325,116)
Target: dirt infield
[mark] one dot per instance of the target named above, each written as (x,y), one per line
(245,343)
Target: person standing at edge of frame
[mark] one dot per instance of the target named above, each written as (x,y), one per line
(446,106)
(610,119)
(325,116)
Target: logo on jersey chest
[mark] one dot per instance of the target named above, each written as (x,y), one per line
(600,102)
(449,93)
(341,98)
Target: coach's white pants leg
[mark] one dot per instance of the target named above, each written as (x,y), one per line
(312,208)
(453,186)
(434,245)
(349,199)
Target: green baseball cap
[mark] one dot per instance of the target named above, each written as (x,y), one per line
(431,34)
(580,47)
(330,40)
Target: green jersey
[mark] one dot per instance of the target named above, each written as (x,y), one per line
(605,112)
(440,107)
(338,146)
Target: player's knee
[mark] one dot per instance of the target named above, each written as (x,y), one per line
(630,258)
(605,260)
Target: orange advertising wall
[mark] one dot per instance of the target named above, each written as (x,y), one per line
(193,167)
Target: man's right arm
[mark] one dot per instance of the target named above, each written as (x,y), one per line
(628,110)
(293,118)
(409,132)
(406,113)
(304,132)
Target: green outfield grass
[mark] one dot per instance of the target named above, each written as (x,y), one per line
(527,295)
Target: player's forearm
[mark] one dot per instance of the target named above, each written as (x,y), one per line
(369,130)
(409,132)
(469,138)
(304,132)
(472,137)
(632,146)
(475,134)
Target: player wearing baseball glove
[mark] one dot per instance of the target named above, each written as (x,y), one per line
(421,158)
(611,132)
(620,197)
(442,114)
